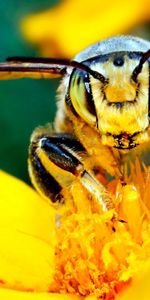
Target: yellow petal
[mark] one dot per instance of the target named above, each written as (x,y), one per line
(27,237)
(140,287)
(74,24)
(6,294)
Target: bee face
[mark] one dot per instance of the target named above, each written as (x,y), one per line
(103,103)
(118,107)
(106,86)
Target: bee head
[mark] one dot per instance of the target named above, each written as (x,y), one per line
(116,102)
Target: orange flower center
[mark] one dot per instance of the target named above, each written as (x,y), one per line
(97,254)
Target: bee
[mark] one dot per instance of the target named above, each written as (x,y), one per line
(103,113)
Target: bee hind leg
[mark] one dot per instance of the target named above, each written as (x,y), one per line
(56,161)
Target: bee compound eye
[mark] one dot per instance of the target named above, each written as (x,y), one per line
(81,96)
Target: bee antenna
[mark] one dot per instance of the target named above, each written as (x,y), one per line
(138,68)
(59,62)
(95,74)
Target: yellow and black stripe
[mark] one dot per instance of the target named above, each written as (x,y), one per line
(54,161)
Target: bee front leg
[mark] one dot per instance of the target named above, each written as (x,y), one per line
(56,161)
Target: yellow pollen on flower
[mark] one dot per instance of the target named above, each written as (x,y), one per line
(98,254)
(76,252)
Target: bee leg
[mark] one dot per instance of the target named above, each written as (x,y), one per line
(55,161)
(51,166)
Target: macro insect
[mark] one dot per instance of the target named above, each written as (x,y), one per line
(103,113)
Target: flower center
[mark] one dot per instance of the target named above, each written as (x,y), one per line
(97,254)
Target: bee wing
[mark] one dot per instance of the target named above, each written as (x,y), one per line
(20,67)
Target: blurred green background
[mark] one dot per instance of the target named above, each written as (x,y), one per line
(24,103)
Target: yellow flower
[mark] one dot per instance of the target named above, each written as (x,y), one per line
(47,254)
(74,24)
(27,237)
